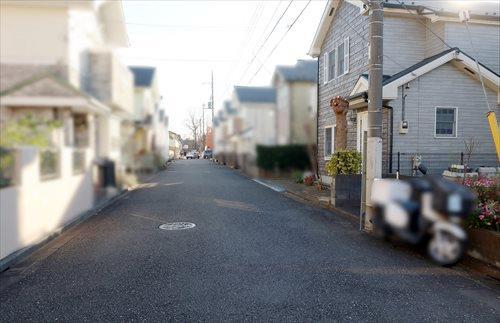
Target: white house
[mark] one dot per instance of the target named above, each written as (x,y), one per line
(57,63)
(296,102)
(150,117)
(254,123)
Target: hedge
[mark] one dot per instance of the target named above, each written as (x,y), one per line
(286,157)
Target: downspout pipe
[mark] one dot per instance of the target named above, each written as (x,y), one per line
(317,123)
(391,135)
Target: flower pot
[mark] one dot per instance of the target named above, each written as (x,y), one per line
(309,180)
(346,190)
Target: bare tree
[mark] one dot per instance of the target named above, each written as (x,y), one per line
(193,123)
(470,148)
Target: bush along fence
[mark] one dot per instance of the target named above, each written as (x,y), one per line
(283,158)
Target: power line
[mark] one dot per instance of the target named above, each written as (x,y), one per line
(251,28)
(279,42)
(424,24)
(185,26)
(364,39)
(179,59)
(265,40)
(262,45)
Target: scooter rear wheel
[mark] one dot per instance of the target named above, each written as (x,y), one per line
(445,248)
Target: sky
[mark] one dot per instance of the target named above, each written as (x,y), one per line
(187,40)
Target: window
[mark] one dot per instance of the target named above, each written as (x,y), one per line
(329,140)
(336,62)
(340,62)
(49,163)
(446,122)
(329,66)
(343,57)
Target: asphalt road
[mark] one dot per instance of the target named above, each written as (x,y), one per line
(254,255)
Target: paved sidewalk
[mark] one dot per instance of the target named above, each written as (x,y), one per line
(312,194)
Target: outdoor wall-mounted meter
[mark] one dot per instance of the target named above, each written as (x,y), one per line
(403,127)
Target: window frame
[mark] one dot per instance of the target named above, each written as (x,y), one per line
(346,56)
(455,122)
(332,144)
(346,61)
(327,78)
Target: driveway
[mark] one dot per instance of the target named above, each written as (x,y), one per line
(254,255)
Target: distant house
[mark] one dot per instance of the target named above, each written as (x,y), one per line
(222,132)
(151,121)
(296,102)
(175,145)
(246,121)
(431,81)
(254,124)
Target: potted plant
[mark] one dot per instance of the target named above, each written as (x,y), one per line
(309,180)
(345,167)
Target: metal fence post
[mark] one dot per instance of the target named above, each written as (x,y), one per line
(399,159)
(461,158)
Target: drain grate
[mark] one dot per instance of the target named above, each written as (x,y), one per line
(177,226)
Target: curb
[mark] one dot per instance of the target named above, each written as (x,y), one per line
(314,201)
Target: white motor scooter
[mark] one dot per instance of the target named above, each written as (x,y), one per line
(424,210)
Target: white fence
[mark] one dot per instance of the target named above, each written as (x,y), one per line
(38,204)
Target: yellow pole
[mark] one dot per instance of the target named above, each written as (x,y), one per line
(492,120)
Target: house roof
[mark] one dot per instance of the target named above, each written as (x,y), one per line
(302,71)
(426,9)
(254,94)
(49,90)
(461,60)
(143,75)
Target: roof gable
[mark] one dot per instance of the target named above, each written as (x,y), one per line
(303,71)
(43,85)
(251,94)
(459,59)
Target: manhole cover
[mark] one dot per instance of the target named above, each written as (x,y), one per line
(177,226)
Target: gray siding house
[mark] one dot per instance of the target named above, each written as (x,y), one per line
(431,81)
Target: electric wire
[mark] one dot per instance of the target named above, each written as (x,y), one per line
(279,42)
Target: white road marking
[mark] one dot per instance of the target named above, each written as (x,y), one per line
(273,187)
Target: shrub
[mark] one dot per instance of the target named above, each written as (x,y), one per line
(287,157)
(487,211)
(298,177)
(344,162)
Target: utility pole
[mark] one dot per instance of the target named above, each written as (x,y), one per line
(212,100)
(203,125)
(374,129)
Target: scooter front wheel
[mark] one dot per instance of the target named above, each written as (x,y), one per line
(445,248)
